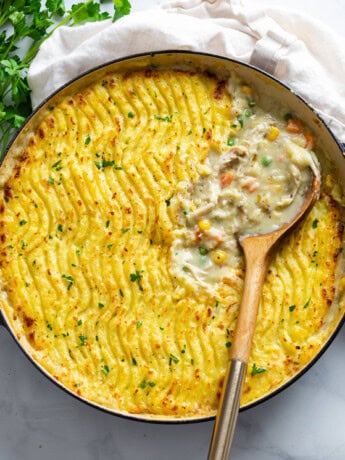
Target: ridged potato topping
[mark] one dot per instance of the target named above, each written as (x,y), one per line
(87,222)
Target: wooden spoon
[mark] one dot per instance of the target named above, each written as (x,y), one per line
(256,253)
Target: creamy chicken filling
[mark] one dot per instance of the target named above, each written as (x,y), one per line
(253,187)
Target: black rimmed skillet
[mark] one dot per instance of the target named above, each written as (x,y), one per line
(262,81)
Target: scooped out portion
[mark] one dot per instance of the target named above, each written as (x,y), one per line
(253,187)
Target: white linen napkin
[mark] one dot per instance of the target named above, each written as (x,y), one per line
(300,51)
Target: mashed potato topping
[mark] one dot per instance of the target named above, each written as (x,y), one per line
(120,271)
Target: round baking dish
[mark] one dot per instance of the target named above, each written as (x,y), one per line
(218,65)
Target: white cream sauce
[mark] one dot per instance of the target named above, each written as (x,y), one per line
(255,185)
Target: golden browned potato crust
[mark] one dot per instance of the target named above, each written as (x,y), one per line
(86,226)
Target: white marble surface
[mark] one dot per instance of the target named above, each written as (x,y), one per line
(38,421)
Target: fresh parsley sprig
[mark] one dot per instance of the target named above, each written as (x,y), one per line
(26,24)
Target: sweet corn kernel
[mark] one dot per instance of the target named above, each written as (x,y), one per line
(204,224)
(219,256)
(192,206)
(273,133)
(246,89)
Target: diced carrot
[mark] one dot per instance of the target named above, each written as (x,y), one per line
(309,140)
(197,236)
(226,179)
(293,126)
(251,186)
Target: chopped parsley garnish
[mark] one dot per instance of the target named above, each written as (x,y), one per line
(231,141)
(60,228)
(104,163)
(257,370)
(107,223)
(247,113)
(144,384)
(125,230)
(51,180)
(100,305)
(136,277)
(105,369)
(82,339)
(57,166)
(292,307)
(315,223)
(121,293)
(23,222)
(306,305)
(134,361)
(173,359)
(167,118)
(139,324)
(87,140)
(130,115)
(70,280)
(228,344)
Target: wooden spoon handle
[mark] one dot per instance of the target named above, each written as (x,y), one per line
(256,258)
(225,425)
